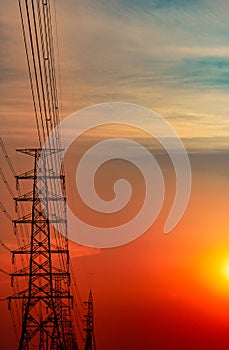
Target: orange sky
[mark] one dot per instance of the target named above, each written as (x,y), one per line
(160,291)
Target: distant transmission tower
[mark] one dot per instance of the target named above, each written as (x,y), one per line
(89,325)
(46,298)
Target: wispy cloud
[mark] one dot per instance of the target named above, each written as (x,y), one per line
(171,56)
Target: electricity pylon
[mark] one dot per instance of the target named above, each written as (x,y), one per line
(46,299)
(89,324)
(42,283)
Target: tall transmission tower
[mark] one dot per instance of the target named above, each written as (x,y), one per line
(46,301)
(42,283)
(89,324)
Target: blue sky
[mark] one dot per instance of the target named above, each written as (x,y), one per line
(170,56)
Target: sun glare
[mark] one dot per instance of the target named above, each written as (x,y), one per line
(225,269)
(214,272)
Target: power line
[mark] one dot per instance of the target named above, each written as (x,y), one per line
(3,271)
(30,71)
(4,246)
(13,171)
(38,41)
(23,233)
(6,183)
(23,230)
(10,166)
(3,147)
(37,34)
(7,157)
(40,74)
(36,72)
(3,209)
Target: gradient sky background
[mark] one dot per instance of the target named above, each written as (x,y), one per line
(161,291)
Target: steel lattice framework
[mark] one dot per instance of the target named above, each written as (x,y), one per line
(89,323)
(42,282)
(46,301)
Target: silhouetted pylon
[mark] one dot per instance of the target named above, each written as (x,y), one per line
(46,301)
(89,325)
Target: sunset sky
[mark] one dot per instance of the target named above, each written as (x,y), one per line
(160,291)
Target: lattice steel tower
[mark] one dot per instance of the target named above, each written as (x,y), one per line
(42,280)
(89,324)
(46,301)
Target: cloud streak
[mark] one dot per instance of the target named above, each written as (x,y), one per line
(170,56)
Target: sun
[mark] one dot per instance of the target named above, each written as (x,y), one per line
(214,271)
(225,269)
